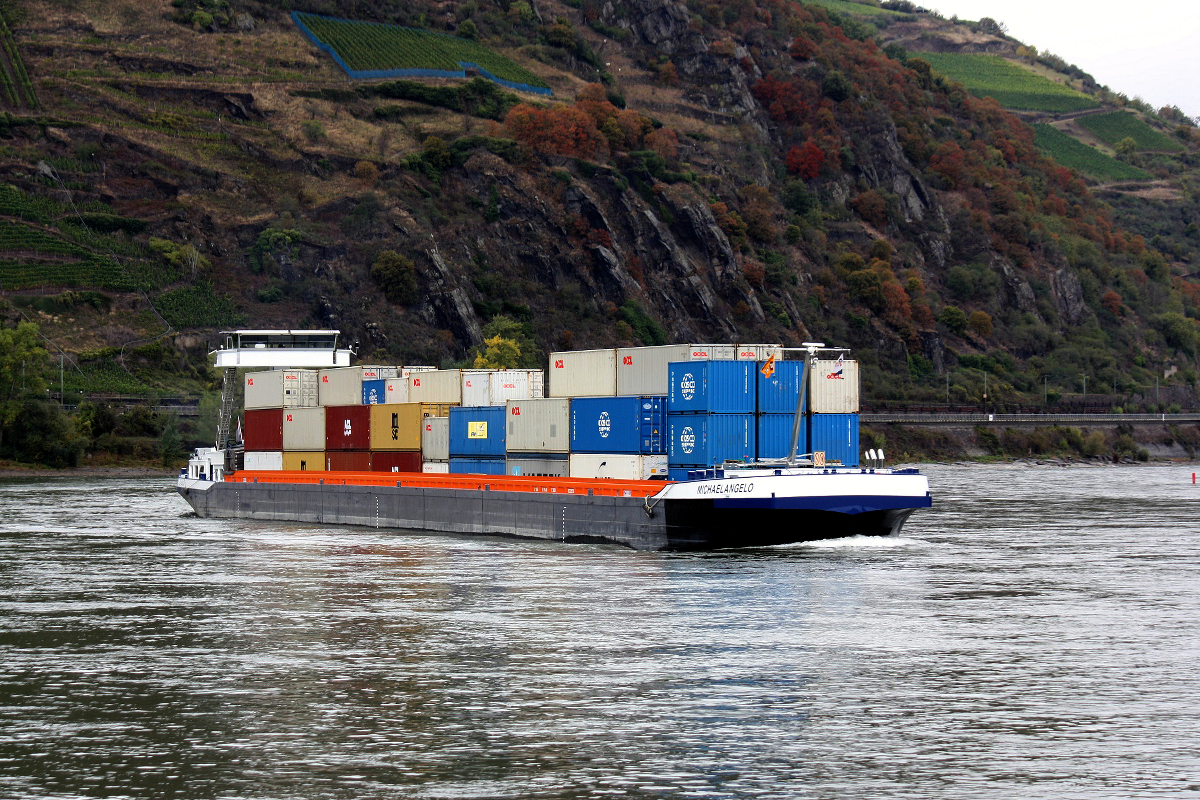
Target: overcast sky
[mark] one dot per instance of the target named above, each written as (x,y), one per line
(1146,48)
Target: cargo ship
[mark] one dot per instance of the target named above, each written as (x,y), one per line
(689,472)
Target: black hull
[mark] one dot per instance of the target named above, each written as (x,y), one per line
(669,525)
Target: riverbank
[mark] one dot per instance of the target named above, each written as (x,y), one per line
(18,469)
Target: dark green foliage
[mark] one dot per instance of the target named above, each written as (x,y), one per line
(1179,331)
(796,197)
(1074,154)
(42,434)
(491,212)
(396,275)
(108,223)
(170,442)
(1113,127)
(644,327)
(478,97)
(953,318)
(972,282)
(198,306)
(836,87)
(272,243)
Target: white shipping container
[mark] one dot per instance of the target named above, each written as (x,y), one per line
(341,386)
(618,466)
(436,386)
(304,429)
(435,439)
(538,467)
(516,384)
(643,370)
(476,387)
(376,373)
(759,352)
(263,459)
(539,426)
(277,388)
(436,467)
(395,390)
(407,371)
(583,373)
(833,387)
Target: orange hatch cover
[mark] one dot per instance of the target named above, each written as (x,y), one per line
(421,480)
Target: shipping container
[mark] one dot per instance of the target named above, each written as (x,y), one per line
(435,467)
(437,386)
(477,466)
(263,460)
(395,461)
(435,438)
(836,435)
(618,466)
(304,429)
(539,426)
(295,388)
(395,390)
(348,461)
(262,429)
(477,432)
(341,386)
(396,426)
(407,371)
(583,373)
(302,461)
(778,394)
(774,435)
(643,370)
(706,439)
(348,427)
(516,384)
(477,387)
(834,387)
(619,425)
(377,373)
(374,392)
(711,387)
(549,465)
(759,352)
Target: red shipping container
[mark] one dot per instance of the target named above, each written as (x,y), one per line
(263,429)
(396,461)
(348,461)
(348,428)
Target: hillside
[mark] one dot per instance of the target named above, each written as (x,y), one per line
(721,171)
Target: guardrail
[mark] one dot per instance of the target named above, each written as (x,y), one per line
(1031,419)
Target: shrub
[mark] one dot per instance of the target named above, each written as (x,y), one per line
(980,322)
(396,275)
(953,318)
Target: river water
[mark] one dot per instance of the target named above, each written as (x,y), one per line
(1034,635)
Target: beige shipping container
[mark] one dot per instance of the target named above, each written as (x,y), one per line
(435,467)
(583,373)
(395,390)
(435,439)
(396,426)
(516,384)
(304,429)
(406,372)
(341,386)
(833,387)
(539,426)
(618,466)
(643,370)
(296,388)
(476,387)
(263,459)
(302,460)
(436,386)
(759,352)
(376,373)
(537,467)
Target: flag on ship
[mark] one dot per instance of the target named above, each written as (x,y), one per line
(769,368)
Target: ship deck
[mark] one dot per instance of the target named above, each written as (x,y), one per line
(595,487)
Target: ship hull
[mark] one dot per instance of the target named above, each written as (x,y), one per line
(661,521)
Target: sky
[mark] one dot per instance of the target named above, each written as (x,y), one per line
(1146,48)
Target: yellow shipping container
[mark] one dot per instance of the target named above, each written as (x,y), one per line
(397,426)
(304,460)
(436,409)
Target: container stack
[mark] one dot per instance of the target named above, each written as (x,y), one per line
(619,437)
(477,440)
(539,436)
(435,444)
(833,424)
(710,414)
(776,412)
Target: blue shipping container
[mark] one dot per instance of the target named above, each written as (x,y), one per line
(477,431)
(837,435)
(634,425)
(774,433)
(778,394)
(711,387)
(701,440)
(373,392)
(477,466)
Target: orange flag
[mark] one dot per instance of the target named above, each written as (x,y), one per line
(769,368)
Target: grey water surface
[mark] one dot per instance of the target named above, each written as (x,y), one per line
(1035,635)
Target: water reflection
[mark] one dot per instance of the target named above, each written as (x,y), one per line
(1032,635)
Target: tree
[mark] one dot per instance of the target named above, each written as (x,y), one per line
(501,353)
(22,362)
(170,442)
(1126,147)
(806,160)
(396,276)
(953,318)
(468,30)
(366,172)
(980,322)
(836,87)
